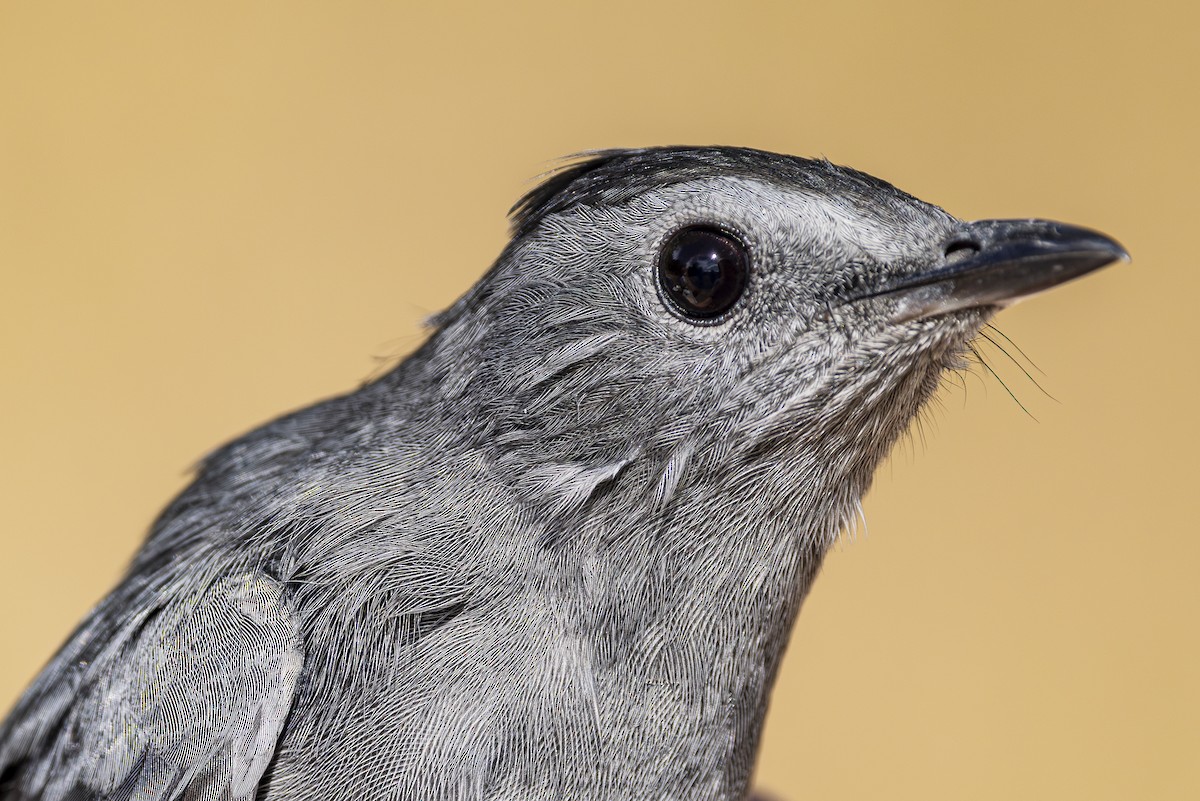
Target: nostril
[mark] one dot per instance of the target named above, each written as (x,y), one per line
(960,250)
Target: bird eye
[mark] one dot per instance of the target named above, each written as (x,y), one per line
(702,272)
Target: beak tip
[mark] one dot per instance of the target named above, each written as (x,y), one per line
(1118,251)
(1101,244)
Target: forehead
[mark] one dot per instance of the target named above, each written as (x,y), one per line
(617,176)
(792,216)
(806,197)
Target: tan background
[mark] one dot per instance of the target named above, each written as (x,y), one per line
(214,214)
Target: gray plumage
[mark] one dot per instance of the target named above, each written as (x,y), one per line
(557,552)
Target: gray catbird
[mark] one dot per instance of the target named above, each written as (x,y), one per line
(557,552)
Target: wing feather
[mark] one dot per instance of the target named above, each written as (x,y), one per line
(185,700)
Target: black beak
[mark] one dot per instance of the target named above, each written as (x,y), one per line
(997,262)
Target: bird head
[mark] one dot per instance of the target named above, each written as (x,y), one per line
(721,334)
